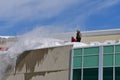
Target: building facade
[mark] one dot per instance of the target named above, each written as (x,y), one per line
(96,63)
(43,64)
(92,62)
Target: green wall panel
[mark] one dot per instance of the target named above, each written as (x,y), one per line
(77,62)
(117,59)
(108,49)
(108,60)
(91,61)
(117,48)
(91,50)
(77,52)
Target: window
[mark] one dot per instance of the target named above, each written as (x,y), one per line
(108,60)
(117,73)
(117,48)
(92,50)
(91,61)
(117,60)
(90,74)
(77,52)
(77,61)
(76,74)
(108,73)
(108,49)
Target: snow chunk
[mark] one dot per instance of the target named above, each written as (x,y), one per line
(95,43)
(77,44)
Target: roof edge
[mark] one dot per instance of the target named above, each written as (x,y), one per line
(101,32)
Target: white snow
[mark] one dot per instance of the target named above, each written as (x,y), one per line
(95,43)
(6,36)
(77,44)
(109,42)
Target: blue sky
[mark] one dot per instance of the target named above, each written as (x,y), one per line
(20,16)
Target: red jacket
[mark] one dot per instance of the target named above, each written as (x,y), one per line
(73,39)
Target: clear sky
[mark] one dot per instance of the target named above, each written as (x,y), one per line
(20,16)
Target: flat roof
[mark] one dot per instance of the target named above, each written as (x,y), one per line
(93,32)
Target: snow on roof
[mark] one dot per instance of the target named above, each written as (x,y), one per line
(6,36)
(95,43)
(77,44)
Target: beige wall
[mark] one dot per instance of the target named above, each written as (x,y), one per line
(88,39)
(7,42)
(43,64)
(91,36)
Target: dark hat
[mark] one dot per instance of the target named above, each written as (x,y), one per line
(78,30)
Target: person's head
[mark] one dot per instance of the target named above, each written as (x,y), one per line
(78,31)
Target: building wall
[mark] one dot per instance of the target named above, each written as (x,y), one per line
(91,36)
(96,63)
(102,38)
(7,42)
(43,64)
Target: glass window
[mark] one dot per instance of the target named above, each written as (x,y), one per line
(91,61)
(108,49)
(91,50)
(117,73)
(77,52)
(117,60)
(90,74)
(76,74)
(108,60)
(108,73)
(77,61)
(117,48)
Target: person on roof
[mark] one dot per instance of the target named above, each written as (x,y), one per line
(78,36)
